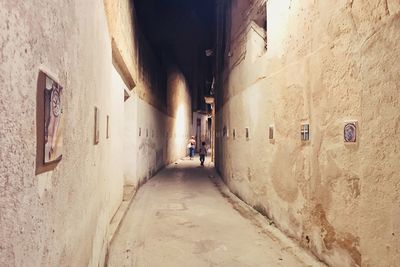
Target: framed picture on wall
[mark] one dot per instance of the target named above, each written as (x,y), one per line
(108,127)
(271,130)
(247,131)
(96,126)
(49,123)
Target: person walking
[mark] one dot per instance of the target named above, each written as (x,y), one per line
(191,146)
(203,153)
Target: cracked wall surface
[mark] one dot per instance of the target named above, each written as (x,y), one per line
(326,62)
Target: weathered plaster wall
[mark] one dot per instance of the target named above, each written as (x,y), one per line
(326,62)
(61,218)
(163,136)
(159,102)
(179,110)
(132,55)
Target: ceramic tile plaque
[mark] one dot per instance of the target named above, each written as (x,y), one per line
(305,132)
(350,132)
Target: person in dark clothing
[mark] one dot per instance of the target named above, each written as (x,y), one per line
(202,153)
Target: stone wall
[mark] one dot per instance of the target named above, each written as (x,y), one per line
(61,217)
(326,62)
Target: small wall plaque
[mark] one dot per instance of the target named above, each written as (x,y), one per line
(147,132)
(140,131)
(247,133)
(271,132)
(96,126)
(350,132)
(108,127)
(234,133)
(305,132)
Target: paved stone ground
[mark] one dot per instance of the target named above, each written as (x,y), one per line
(181,217)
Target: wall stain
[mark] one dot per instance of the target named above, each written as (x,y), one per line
(354,186)
(249,174)
(283,179)
(346,241)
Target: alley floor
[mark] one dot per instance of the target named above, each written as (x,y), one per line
(185,216)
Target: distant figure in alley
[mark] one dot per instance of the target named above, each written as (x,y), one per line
(202,153)
(191,146)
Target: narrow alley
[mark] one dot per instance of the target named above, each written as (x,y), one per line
(185,216)
(297,104)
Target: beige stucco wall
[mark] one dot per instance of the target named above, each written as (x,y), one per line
(179,119)
(61,218)
(135,60)
(327,62)
(160,109)
(163,135)
(58,218)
